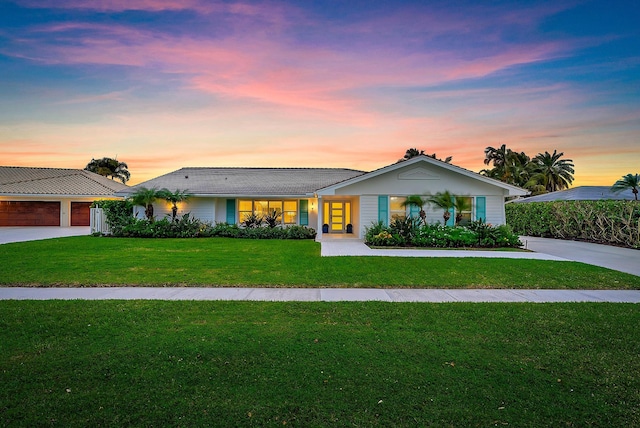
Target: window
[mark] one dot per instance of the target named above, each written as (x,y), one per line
(395,207)
(466,213)
(263,208)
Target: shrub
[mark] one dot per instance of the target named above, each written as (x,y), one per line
(608,222)
(118,212)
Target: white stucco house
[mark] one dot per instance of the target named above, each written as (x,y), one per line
(344,201)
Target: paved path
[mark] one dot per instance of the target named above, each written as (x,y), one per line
(355,247)
(616,258)
(21,234)
(319,294)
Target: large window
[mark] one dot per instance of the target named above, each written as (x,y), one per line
(396,210)
(466,214)
(287,210)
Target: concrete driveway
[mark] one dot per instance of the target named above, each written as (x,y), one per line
(21,234)
(616,258)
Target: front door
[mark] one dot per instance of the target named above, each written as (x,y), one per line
(338,214)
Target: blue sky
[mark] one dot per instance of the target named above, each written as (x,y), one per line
(164,84)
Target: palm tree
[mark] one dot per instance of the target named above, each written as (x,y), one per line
(418,202)
(443,200)
(460,205)
(552,172)
(627,182)
(108,167)
(175,198)
(496,156)
(411,153)
(146,197)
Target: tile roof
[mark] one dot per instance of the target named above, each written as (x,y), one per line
(248,181)
(55,181)
(581,193)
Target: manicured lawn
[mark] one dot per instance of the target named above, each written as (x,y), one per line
(116,363)
(89,261)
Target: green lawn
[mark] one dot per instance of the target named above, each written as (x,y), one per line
(90,261)
(151,363)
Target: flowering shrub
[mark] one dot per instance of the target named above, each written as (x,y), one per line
(476,234)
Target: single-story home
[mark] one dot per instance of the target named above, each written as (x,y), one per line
(51,196)
(580,193)
(344,201)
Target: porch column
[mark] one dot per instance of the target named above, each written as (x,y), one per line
(320,218)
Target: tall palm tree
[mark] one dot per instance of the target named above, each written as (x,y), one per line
(145,198)
(443,200)
(175,198)
(552,172)
(411,153)
(496,156)
(460,205)
(627,182)
(418,202)
(109,167)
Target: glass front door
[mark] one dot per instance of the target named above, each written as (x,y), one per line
(337,215)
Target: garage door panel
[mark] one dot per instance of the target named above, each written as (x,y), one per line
(80,213)
(27,213)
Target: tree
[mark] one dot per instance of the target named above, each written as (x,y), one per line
(551,171)
(443,200)
(413,152)
(145,198)
(418,202)
(460,205)
(174,198)
(496,156)
(627,182)
(108,167)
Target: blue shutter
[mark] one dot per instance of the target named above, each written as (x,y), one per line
(231,211)
(383,209)
(304,212)
(481,208)
(414,211)
(452,214)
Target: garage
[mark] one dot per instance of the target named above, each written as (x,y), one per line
(80,213)
(29,213)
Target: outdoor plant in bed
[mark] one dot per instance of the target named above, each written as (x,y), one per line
(409,232)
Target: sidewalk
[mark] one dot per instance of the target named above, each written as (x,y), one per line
(320,294)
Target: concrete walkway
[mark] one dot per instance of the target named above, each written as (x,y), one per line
(355,247)
(22,234)
(319,294)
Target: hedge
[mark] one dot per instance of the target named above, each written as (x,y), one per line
(607,222)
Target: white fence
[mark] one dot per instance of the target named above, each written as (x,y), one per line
(99,222)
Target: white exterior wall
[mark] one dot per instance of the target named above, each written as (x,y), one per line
(495,210)
(368,212)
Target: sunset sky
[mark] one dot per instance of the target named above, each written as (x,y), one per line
(165,84)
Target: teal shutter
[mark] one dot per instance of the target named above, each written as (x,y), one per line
(481,208)
(414,211)
(231,211)
(383,209)
(452,214)
(304,212)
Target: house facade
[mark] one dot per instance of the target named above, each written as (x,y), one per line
(332,201)
(51,196)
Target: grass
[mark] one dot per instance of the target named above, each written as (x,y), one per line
(151,363)
(91,261)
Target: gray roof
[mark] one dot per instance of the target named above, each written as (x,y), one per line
(581,193)
(248,181)
(26,181)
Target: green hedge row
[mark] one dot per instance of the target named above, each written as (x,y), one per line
(607,222)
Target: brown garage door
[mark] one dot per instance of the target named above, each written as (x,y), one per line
(80,213)
(19,213)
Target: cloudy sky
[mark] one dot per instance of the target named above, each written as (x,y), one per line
(164,84)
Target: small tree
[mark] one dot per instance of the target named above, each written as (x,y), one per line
(174,198)
(627,182)
(145,198)
(461,204)
(418,202)
(443,200)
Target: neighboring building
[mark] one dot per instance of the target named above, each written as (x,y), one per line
(340,199)
(51,196)
(581,193)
